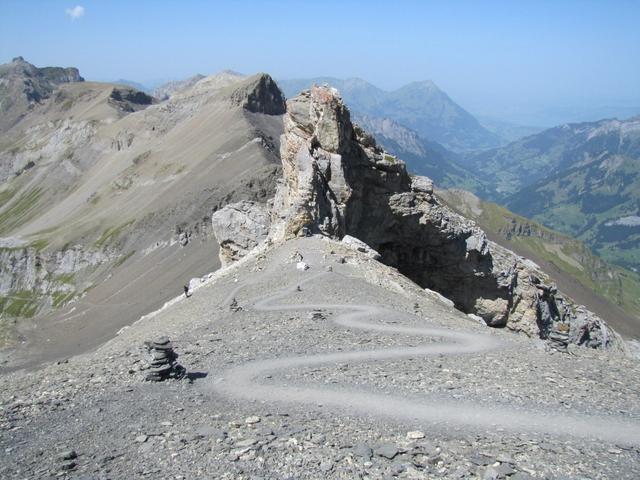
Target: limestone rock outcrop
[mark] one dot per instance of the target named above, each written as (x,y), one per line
(238,228)
(338,182)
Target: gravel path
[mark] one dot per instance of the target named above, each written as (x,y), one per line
(241,381)
(358,373)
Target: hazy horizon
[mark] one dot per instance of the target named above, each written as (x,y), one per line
(523,62)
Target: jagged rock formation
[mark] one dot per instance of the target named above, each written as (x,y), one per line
(239,227)
(338,182)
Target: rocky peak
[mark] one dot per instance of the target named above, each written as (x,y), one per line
(259,94)
(338,182)
(23,84)
(19,67)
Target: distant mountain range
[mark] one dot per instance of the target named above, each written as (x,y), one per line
(423,157)
(507,131)
(582,179)
(420,106)
(164,91)
(132,84)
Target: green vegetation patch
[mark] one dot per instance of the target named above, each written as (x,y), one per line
(59,299)
(68,278)
(124,258)
(111,234)
(39,244)
(20,304)
(6,195)
(20,210)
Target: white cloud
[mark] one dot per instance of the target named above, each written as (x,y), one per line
(75,12)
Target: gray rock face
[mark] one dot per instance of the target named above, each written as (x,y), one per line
(130,99)
(259,94)
(239,227)
(49,277)
(338,182)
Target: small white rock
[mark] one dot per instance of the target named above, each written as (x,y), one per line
(252,420)
(477,318)
(415,435)
(302,266)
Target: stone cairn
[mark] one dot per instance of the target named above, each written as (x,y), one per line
(164,361)
(234,307)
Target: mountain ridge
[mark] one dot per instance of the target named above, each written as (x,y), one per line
(421,106)
(579,178)
(105,208)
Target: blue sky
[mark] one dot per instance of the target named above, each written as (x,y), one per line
(506,59)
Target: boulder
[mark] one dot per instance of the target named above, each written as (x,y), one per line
(239,227)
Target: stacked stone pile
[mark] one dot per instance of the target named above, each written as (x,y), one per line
(234,307)
(559,336)
(164,361)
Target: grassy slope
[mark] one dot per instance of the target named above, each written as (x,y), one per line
(617,285)
(584,200)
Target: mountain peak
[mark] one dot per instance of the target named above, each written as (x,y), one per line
(423,86)
(428,84)
(24,84)
(259,94)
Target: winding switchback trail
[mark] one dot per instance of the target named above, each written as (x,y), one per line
(241,381)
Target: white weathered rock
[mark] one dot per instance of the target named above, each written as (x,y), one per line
(476,318)
(360,246)
(422,184)
(239,228)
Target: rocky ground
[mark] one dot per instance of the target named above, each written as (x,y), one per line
(343,370)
